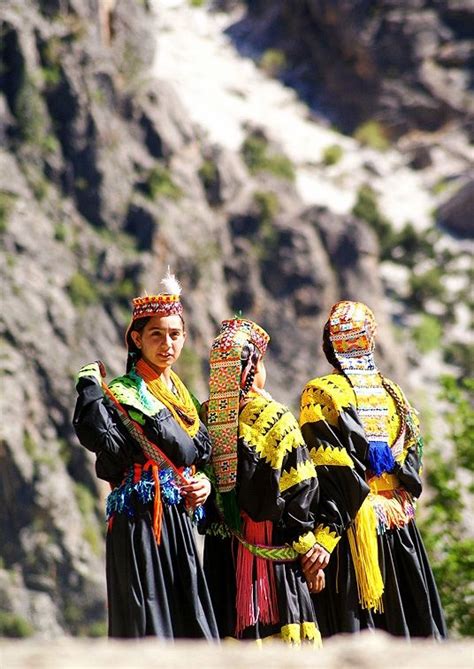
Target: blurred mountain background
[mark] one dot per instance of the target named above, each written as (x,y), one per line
(278,156)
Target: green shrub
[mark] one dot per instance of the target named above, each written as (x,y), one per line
(29,444)
(196,3)
(93,537)
(426,286)
(125,290)
(60,232)
(14,626)
(7,200)
(208,173)
(65,451)
(440,186)
(450,551)
(461,355)
(332,154)
(85,499)
(36,179)
(267,205)
(366,208)
(371,133)
(30,112)
(273,62)
(427,334)
(51,76)
(82,291)
(160,184)
(259,157)
(49,144)
(96,630)
(87,505)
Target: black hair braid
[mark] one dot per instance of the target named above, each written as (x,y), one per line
(249,381)
(401,406)
(328,349)
(249,357)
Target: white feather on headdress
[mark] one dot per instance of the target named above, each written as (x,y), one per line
(171,285)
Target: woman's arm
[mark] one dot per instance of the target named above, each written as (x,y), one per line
(100,430)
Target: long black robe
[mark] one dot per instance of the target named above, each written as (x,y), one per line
(276,482)
(338,446)
(153,590)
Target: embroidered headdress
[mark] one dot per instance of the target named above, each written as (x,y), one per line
(352,329)
(165,303)
(225,393)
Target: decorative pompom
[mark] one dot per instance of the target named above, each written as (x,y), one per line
(171,284)
(380,457)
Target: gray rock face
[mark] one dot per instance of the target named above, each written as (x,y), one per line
(405,64)
(456,213)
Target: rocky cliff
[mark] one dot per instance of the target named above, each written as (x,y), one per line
(406,64)
(104,182)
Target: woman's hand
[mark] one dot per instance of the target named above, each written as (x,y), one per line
(313,561)
(317,583)
(93,370)
(196,492)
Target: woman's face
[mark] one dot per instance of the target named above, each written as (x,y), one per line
(260,375)
(161,341)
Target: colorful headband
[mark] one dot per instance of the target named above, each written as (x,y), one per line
(224,394)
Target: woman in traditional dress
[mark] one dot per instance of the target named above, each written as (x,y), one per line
(365,441)
(150,445)
(264,500)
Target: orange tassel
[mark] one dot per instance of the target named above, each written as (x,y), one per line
(157,507)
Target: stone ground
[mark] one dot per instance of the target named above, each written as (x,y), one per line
(351,652)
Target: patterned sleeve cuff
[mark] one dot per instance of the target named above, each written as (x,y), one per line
(326,538)
(304,543)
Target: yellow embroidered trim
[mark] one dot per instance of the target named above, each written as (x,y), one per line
(274,433)
(304,543)
(331,456)
(331,393)
(296,633)
(311,412)
(326,537)
(261,413)
(304,471)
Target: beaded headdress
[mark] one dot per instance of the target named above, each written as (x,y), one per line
(352,329)
(224,394)
(166,303)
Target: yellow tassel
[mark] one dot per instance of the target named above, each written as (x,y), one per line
(363,543)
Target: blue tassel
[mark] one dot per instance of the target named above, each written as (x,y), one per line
(380,457)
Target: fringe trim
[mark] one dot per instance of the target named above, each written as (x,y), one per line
(256,599)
